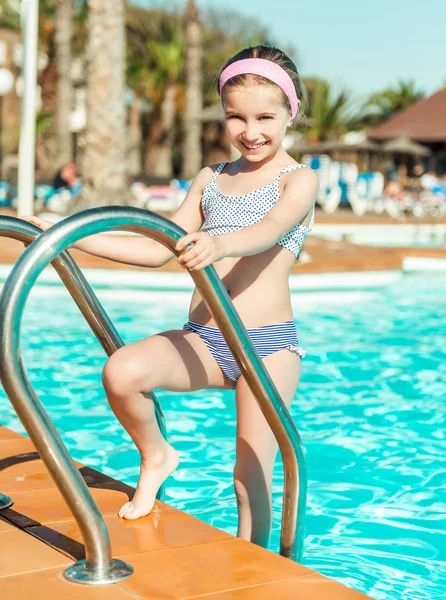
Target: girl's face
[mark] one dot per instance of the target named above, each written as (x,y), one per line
(256,120)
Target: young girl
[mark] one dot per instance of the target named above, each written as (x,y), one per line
(250,218)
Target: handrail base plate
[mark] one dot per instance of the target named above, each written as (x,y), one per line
(78,573)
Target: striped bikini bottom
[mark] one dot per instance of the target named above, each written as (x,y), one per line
(266,340)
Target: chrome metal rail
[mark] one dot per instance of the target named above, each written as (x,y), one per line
(44,250)
(82,294)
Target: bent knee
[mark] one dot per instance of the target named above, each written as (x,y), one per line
(122,374)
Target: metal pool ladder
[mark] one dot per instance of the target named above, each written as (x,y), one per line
(50,247)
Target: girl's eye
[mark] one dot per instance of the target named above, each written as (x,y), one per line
(266,117)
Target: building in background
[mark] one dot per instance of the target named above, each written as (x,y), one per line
(423,122)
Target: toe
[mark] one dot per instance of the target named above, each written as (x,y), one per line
(130,514)
(123,509)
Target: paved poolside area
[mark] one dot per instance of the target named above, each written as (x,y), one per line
(174,555)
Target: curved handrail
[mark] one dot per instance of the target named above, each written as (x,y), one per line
(81,292)
(74,228)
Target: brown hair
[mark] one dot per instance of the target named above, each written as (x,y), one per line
(276,56)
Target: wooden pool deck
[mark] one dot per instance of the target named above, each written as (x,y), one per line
(174,555)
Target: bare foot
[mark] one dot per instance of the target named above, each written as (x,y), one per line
(152,476)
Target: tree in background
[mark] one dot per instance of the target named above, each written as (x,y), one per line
(155,66)
(168,56)
(63,23)
(10,14)
(192,155)
(141,25)
(381,106)
(103,162)
(327,113)
(168,85)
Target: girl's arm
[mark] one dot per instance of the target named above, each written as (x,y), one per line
(295,203)
(143,251)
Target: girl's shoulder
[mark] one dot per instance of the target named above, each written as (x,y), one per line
(205,176)
(299,169)
(298,174)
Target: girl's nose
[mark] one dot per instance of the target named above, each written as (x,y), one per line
(251,132)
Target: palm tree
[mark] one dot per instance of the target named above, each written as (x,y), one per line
(169,59)
(64,14)
(328,117)
(103,164)
(155,62)
(381,106)
(192,124)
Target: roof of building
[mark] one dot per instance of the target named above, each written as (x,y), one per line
(424,121)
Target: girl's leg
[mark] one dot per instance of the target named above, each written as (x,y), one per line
(175,361)
(257,448)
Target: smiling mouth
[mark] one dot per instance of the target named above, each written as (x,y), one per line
(254,147)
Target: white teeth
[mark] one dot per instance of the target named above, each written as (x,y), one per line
(254,147)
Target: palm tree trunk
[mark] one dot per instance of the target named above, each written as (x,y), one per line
(151,140)
(64,11)
(192,156)
(103,165)
(163,156)
(134,141)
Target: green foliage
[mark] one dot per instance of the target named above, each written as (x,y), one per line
(10,15)
(328,114)
(168,57)
(44,120)
(152,33)
(382,105)
(156,53)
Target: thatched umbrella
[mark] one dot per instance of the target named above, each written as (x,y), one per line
(404,145)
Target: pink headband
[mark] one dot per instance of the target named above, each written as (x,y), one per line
(264,68)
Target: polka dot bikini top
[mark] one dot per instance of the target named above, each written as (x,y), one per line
(224,214)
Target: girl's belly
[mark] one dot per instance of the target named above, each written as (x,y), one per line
(258,287)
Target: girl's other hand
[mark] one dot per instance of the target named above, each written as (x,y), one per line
(44,225)
(205,251)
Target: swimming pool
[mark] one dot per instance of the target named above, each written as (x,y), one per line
(370,410)
(410,235)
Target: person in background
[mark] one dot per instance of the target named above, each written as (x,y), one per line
(68,178)
(429,180)
(390,171)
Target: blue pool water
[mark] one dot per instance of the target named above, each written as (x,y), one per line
(370,409)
